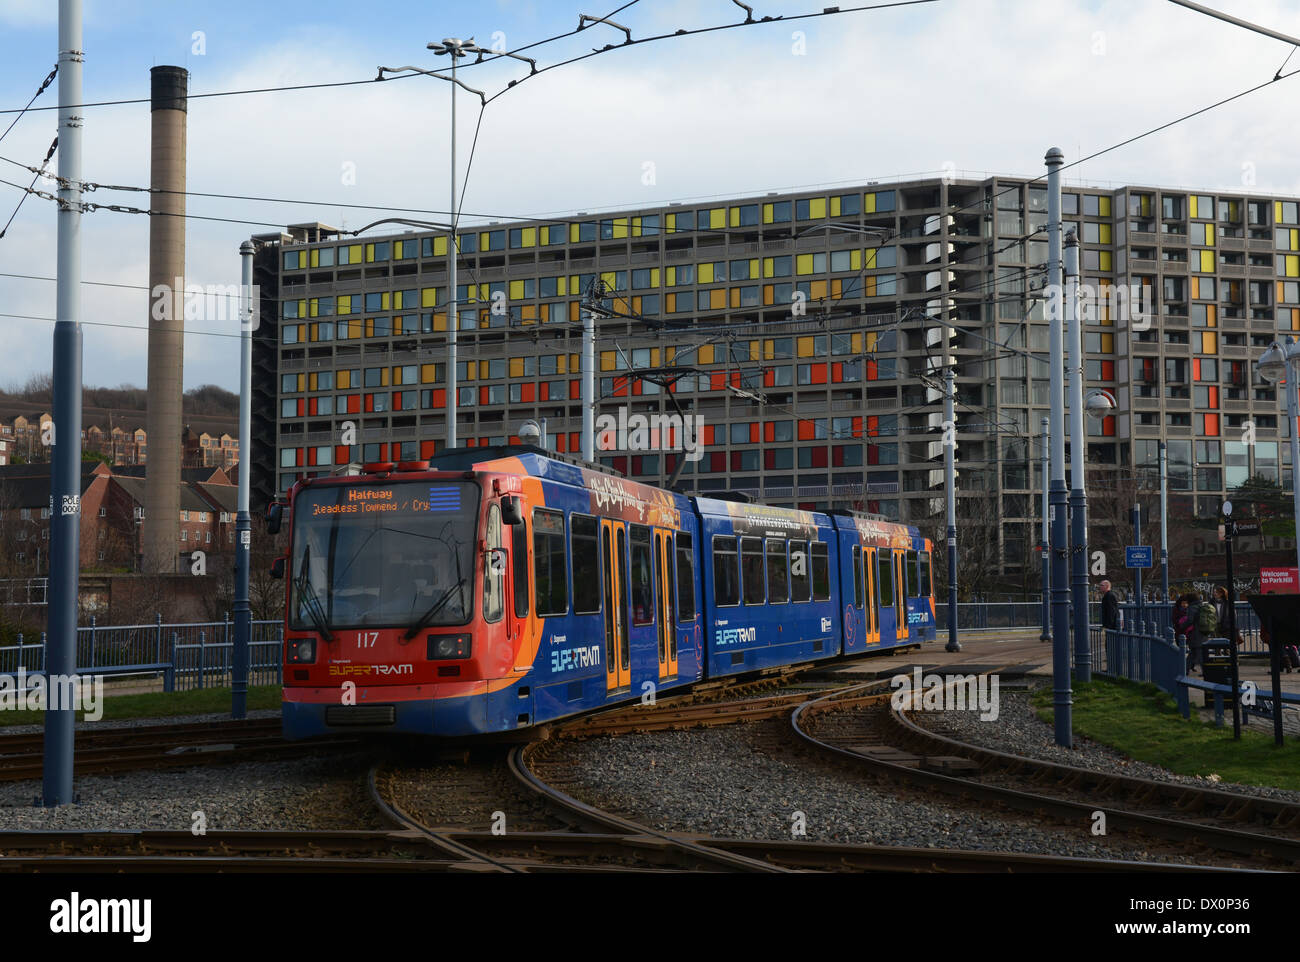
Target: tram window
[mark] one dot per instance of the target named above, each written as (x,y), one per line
(925,574)
(885,578)
(586,564)
(519,555)
(912,579)
(800,577)
(751,570)
(685,577)
(778,573)
(726,577)
(857,576)
(492,575)
(643,588)
(549,569)
(821,562)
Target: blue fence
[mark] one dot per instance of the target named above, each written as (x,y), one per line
(186,656)
(1140,651)
(1247,623)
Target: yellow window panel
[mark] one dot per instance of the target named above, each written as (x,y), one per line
(428,297)
(608,277)
(344,304)
(1209,235)
(607,360)
(574,289)
(354,254)
(573,233)
(1106,261)
(312,332)
(671,278)
(636,226)
(528,237)
(718,299)
(868,203)
(573,311)
(1103,206)
(871,342)
(383,377)
(654,357)
(654,277)
(855,260)
(817,207)
(620,228)
(753,268)
(670,354)
(855,343)
(397,377)
(1211,315)
(769,350)
(516,367)
(311,382)
(769,267)
(869,286)
(370,327)
(817,290)
(341,379)
(370,253)
(516,290)
(1295,239)
(1108,344)
(735,297)
(835,206)
(1105,233)
(803,264)
(734,216)
(315,257)
(837,288)
(869,258)
(314,307)
(1196,287)
(705,354)
(717,218)
(528,313)
(767,213)
(428,373)
(805,345)
(1292,268)
(1209,342)
(1207,262)
(670,223)
(670,302)
(705,274)
(440,246)
(1277,211)
(483,240)
(483,370)
(302,308)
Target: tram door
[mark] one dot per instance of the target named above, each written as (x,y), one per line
(873,600)
(664,588)
(613,564)
(900,599)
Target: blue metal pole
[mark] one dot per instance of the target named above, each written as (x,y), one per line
(1164,523)
(65,474)
(1137,572)
(949,456)
(243,527)
(1045,541)
(1078,467)
(1061,692)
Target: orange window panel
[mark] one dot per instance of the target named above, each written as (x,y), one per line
(428,449)
(818,373)
(1108,426)
(1211,425)
(483,395)
(769,295)
(718,381)
(1196,369)
(342,454)
(769,431)
(817,290)
(718,299)
(753,432)
(1214,396)
(528,392)
(805,431)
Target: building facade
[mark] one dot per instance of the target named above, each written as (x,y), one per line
(808,333)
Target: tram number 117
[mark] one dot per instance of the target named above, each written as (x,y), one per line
(367,639)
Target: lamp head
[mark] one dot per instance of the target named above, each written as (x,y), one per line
(1272,363)
(1099,404)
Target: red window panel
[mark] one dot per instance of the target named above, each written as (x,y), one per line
(636,386)
(873,454)
(819,457)
(1108,370)
(428,449)
(735,379)
(837,455)
(483,395)
(544,391)
(470,443)
(440,397)
(873,371)
(1196,369)
(575,390)
(1211,425)
(354,403)
(342,454)
(753,432)
(620,464)
(717,461)
(837,372)
(735,461)
(636,465)
(709,431)
(857,427)
(670,463)
(575,444)
(769,460)
(528,392)
(818,373)
(805,430)
(873,426)
(370,403)
(302,407)
(311,457)
(299,457)
(397,400)
(562,443)
(1108,426)
(718,380)
(1214,396)
(311,407)
(807,506)
(769,431)
(395,451)
(769,378)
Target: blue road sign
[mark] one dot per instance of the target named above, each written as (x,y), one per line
(1139,556)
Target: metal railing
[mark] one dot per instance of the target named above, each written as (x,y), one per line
(1140,652)
(1158,614)
(186,656)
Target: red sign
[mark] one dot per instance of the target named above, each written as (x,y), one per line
(1282,580)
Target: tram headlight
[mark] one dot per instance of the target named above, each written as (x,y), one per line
(443,647)
(301,651)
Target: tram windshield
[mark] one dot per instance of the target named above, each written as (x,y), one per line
(382,556)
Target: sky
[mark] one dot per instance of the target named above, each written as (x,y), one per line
(970,86)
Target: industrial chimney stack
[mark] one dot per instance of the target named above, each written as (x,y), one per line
(161,535)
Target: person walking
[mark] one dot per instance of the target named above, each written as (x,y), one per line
(1182,620)
(1109,607)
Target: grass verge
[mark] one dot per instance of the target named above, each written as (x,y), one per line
(1143,722)
(161,705)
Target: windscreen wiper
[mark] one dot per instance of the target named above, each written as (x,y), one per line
(312,602)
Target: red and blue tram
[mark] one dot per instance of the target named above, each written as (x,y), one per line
(498,588)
